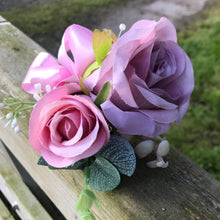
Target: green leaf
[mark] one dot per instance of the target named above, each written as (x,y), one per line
(41,161)
(86,199)
(87,215)
(79,165)
(90,195)
(81,203)
(101,45)
(103,175)
(111,34)
(87,196)
(83,86)
(90,69)
(103,94)
(86,175)
(120,153)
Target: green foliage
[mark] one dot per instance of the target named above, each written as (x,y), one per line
(119,152)
(83,86)
(44,18)
(86,199)
(103,175)
(52,19)
(90,69)
(79,165)
(208,159)
(42,162)
(101,45)
(103,94)
(87,215)
(198,135)
(101,171)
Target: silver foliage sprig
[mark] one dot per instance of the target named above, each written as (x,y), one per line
(13,108)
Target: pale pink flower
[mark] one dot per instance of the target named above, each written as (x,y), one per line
(66,127)
(46,71)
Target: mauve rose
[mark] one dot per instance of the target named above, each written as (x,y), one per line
(65,128)
(151,79)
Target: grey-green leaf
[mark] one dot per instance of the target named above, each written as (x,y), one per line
(41,161)
(79,165)
(103,94)
(120,153)
(103,175)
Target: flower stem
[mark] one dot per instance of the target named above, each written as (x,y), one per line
(14,108)
(86,199)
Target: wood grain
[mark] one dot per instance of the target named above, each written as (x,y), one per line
(17,193)
(4,212)
(182,191)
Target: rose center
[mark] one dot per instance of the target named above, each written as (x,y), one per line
(160,64)
(67,128)
(160,67)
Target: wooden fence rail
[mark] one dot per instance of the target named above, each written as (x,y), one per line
(182,191)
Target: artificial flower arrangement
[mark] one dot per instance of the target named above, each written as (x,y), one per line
(102,91)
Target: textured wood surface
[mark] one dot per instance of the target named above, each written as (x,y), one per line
(17,193)
(182,191)
(4,212)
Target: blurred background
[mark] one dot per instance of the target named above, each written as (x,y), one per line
(198,25)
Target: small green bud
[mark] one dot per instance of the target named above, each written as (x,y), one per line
(87,215)
(86,199)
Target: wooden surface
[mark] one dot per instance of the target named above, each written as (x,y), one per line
(182,191)
(17,193)
(4,212)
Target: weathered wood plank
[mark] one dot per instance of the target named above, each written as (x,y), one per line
(4,212)
(183,190)
(13,188)
(4,152)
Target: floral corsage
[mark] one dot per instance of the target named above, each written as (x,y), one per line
(103,91)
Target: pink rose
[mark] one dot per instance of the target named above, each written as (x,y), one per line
(66,127)
(151,79)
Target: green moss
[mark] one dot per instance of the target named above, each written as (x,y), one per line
(45,21)
(48,18)
(198,135)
